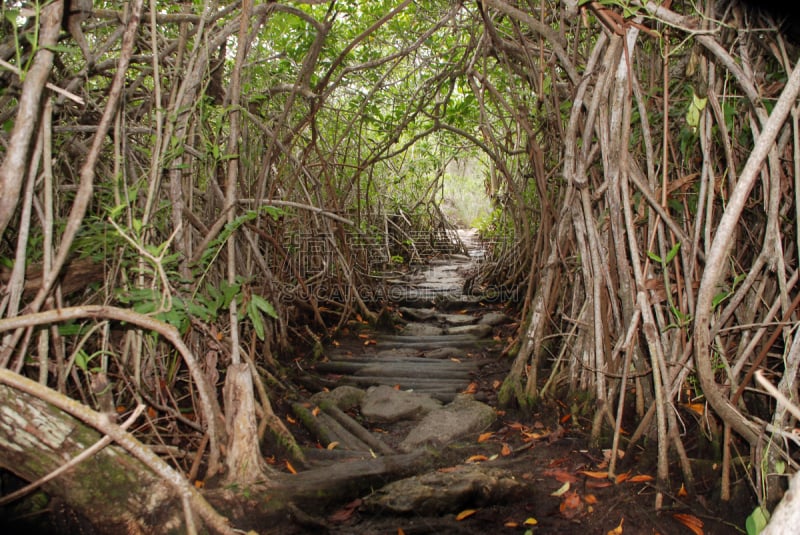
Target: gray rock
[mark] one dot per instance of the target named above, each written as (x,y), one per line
(385,404)
(462,417)
(345,397)
(494,318)
(480,330)
(456,319)
(438,493)
(444,353)
(418,314)
(421,329)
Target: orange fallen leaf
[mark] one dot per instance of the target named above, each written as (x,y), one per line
(363,336)
(564,419)
(682,492)
(471,389)
(483,437)
(199,484)
(511,524)
(694,524)
(640,478)
(571,506)
(496,384)
(344,514)
(121,409)
(699,408)
(151,412)
(560,475)
(622,477)
(400,531)
(332,445)
(594,475)
(466,513)
(315,411)
(290,419)
(590,499)
(477,459)
(530,521)
(290,468)
(598,484)
(617,530)
(506,450)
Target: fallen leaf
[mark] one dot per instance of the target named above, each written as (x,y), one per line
(622,477)
(315,411)
(640,478)
(345,512)
(290,468)
(363,336)
(332,445)
(530,521)
(199,484)
(335,343)
(483,437)
(121,409)
(290,419)
(699,408)
(506,450)
(590,499)
(496,384)
(598,484)
(477,459)
(151,413)
(563,489)
(400,531)
(682,491)
(617,530)
(594,475)
(571,506)
(454,359)
(564,419)
(471,389)
(511,524)
(560,475)
(466,513)
(694,524)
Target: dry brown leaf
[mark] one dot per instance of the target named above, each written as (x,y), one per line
(690,521)
(594,475)
(617,530)
(560,475)
(640,478)
(332,445)
(571,506)
(477,459)
(511,524)
(400,531)
(622,477)
(483,437)
(466,513)
(598,484)
(505,451)
(290,419)
(590,499)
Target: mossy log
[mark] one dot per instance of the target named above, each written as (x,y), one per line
(112,489)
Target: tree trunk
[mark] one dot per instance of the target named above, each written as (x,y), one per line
(113,489)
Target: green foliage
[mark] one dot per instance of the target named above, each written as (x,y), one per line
(757,521)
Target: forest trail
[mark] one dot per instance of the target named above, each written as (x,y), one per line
(405,435)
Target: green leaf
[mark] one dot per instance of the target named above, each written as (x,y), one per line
(757,521)
(264,306)
(654,257)
(82,360)
(719,298)
(672,252)
(255,318)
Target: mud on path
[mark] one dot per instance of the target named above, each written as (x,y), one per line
(406,430)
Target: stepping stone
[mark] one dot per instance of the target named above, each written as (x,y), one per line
(494,318)
(421,329)
(345,397)
(418,314)
(384,404)
(464,416)
(439,493)
(444,353)
(456,319)
(398,352)
(481,330)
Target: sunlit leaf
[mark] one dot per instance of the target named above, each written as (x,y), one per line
(560,492)
(483,437)
(530,521)
(290,468)
(332,445)
(694,524)
(466,513)
(617,530)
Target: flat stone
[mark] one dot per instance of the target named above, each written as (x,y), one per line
(421,329)
(494,318)
(397,353)
(480,330)
(439,493)
(386,405)
(345,397)
(444,353)
(456,319)
(418,314)
(462,417)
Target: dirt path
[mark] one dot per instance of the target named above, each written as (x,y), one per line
(409,435)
